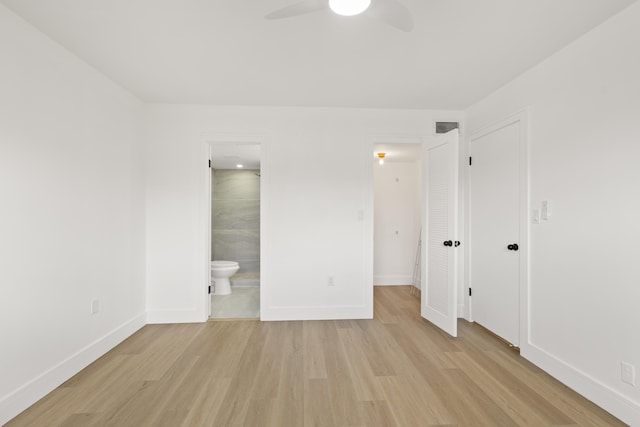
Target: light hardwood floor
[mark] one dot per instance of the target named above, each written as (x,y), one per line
(395,370)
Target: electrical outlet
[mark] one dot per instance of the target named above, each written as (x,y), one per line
(330,282)
(95,306)
(628,373)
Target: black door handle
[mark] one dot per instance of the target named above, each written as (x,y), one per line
(448,243)
(513,247)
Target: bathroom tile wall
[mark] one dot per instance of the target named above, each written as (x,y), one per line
(235,218)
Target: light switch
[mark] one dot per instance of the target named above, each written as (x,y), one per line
(545,211)
(95,306)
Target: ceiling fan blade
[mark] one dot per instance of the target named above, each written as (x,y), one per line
(393,13)
(299,8)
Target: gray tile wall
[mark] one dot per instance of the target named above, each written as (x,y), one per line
(235,218)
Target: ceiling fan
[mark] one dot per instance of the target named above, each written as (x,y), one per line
(391,12)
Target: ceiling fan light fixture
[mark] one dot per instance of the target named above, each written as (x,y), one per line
(349,7)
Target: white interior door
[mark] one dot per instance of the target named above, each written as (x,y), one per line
(439,284)
(494,187)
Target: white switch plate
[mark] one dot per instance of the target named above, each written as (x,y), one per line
(628,373)
(330,282)
(95,306)
(545,211)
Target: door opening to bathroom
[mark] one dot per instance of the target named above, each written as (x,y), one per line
(235,184)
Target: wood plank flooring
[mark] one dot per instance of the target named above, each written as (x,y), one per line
(395,370)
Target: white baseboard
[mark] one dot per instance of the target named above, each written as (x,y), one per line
(316,313)
(599,393)
(176,316)
(245,284)
(392,280)
(17,401)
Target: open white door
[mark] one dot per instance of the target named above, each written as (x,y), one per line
(440,241)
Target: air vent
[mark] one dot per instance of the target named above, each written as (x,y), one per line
(444,127)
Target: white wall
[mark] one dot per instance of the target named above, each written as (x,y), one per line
(584,150)
(397,208)
(316,210)
(71,216)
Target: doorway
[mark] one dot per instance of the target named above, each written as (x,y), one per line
(235,184)
(397,170)
(498,228)
(427,207)
(397,213)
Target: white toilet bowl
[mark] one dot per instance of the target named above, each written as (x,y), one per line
(220,273)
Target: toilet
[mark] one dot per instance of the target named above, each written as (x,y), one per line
(221,271)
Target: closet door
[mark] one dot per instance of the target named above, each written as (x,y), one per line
(495,246)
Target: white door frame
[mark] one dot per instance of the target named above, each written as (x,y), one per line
(393,139)
(522,118)
(422,139)
(211,141)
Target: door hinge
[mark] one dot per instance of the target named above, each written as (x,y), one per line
(469,291)
(209,163)
(209,289)
(470,161)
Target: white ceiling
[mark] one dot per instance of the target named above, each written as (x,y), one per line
(229,156)
(224,52)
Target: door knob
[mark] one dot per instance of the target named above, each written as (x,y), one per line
(513,247)
(448,243)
